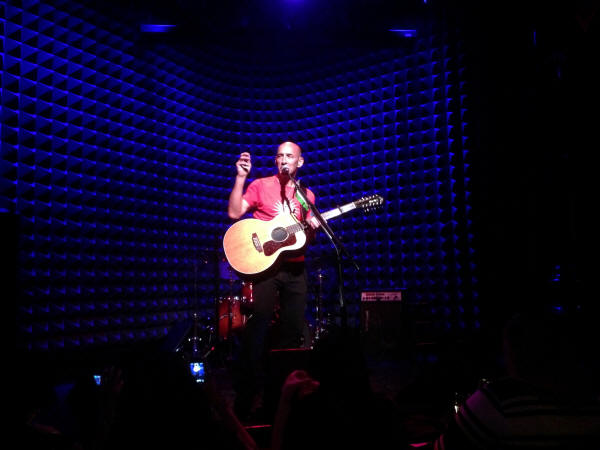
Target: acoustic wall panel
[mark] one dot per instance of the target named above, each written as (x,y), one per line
(117,159)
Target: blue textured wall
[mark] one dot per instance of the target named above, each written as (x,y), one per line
(117,159)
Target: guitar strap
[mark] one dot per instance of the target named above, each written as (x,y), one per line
(305,208)
(302,202)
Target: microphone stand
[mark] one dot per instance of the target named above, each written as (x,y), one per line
(337,244)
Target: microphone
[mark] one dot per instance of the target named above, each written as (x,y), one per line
(285,169)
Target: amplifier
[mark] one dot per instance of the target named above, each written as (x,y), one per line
(381,320)
(381,296)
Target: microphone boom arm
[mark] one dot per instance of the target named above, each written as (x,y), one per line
(338,245)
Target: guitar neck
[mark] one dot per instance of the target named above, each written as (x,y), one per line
(338,211)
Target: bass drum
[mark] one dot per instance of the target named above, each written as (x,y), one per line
(247,305)
(229,316)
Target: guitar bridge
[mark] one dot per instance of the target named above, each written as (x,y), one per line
(256,242)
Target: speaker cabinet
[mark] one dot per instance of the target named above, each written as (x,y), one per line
(381,325)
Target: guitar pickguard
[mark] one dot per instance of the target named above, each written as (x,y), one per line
(271,247)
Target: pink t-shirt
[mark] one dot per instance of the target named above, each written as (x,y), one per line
(264,197)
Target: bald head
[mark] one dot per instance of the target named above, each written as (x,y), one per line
(289,156)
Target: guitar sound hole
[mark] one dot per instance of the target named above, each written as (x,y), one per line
(279,234)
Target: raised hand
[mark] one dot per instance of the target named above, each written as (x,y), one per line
(244,164)
(298,383)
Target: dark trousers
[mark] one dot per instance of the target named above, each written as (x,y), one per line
(288,285)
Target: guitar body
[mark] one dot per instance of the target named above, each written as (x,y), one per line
(253,246)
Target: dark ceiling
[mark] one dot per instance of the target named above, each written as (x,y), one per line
(280,15)
(308,21)
(339,21)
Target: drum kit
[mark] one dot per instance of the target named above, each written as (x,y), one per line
(218,335)
(233,311)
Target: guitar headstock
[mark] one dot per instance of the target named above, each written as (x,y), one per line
(369,202)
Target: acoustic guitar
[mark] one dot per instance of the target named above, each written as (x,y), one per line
(252,246)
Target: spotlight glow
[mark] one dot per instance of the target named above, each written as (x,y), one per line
(404,32)
(156,28)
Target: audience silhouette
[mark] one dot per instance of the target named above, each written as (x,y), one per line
(549,398)
(332,405)
(152,401)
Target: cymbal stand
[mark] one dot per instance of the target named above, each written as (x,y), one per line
(319,326)
(225,337)
(229,308)
(195,339)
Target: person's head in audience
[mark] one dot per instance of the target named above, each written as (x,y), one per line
(545,348)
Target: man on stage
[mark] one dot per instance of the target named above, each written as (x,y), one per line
(267,198)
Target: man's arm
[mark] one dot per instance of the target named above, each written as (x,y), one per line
(237,206)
